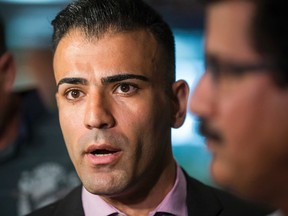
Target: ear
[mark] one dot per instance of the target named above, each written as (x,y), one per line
(179,103)
(7,71)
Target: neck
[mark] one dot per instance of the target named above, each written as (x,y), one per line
(147,198)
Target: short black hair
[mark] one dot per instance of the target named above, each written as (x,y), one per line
(269,34)
(3,47)
(97,17)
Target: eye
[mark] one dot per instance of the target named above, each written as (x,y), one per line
(212,66)
(73,94)
(126,88)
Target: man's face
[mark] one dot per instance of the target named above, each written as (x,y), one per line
(114,112)
(246,118)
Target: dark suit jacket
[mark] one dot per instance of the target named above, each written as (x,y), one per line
(202,200)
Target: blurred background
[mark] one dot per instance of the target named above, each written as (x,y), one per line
(28,32)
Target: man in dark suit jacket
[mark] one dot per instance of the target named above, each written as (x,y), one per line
(114,65)
(201,200)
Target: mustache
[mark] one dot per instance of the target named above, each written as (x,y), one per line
(96,136)
(207,131)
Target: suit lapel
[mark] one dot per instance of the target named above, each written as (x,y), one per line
(201,200)
(71,204)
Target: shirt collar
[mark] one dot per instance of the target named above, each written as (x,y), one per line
(174,202)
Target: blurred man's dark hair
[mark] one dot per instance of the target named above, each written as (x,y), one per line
(269,35)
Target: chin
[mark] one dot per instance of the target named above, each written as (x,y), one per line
(234,183)
(220,173)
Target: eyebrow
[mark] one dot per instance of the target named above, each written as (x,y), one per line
(72,80)
(121,77)
(109,79)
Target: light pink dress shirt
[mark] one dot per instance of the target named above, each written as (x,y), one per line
(174,202)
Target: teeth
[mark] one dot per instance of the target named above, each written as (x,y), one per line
(102,155)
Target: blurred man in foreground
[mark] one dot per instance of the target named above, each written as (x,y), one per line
(242,99)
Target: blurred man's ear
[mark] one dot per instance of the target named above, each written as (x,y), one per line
(179,99)
(7,71)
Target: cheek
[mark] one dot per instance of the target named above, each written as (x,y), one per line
(252,120)
(241,120)
(145,124)
(252,123)
(237,116)
(243,107)
(141,114)
(135,121)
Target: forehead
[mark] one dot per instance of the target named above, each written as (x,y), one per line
(133,50)
(228,29)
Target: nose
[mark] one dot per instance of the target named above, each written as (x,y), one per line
(98,113)
(203,98)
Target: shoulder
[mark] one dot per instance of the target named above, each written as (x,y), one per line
(47,210)
(232,204)
(220,202)
(69,205)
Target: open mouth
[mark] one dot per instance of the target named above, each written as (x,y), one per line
(103,152)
